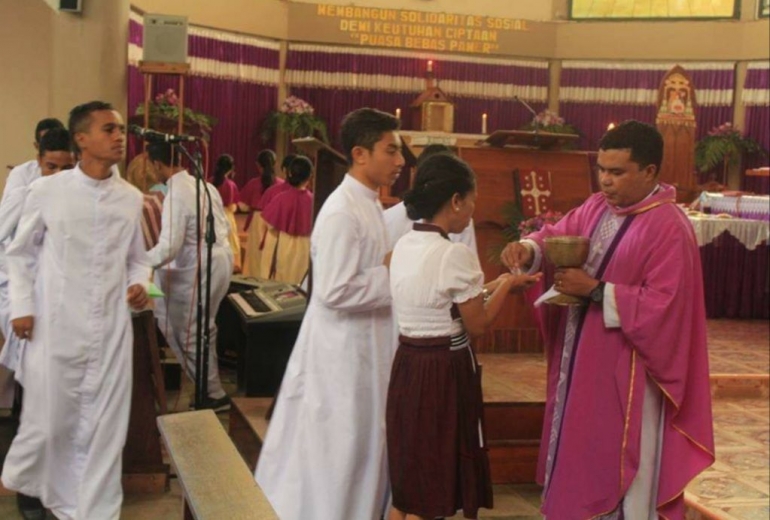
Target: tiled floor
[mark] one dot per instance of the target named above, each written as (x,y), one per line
(735,488)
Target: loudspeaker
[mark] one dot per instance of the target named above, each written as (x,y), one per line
(165,38)
(73,6)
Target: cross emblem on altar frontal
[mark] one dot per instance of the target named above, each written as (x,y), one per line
(535,192)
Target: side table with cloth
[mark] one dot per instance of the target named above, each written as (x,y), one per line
(734,254)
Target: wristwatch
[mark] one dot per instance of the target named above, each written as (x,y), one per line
(597,293)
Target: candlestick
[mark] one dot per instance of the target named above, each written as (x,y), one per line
(398,113)
(430,65)
(483,123)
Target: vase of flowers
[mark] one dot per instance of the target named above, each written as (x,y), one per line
(296,118)
(723,147)
(533,224)
(547,121)
(164,116)
(517,226)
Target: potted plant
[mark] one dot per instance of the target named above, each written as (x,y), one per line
(548,121)
(164,116)
(296,118)
(724,146)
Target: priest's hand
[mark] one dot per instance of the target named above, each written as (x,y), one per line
(137,297)
(574,281)
(517,256)
(23,326)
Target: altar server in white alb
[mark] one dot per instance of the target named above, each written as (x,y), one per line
(54,155)
(399,224)
(324,456)
(14,194)
(76,267)
(175,258)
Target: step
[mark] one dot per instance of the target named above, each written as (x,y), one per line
(248,426)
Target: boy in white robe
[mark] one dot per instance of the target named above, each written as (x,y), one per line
(14,194)
(175,258)
(54,154)
(324,454)
(76,266)
(399,224)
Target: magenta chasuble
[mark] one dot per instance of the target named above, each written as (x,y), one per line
(591,436)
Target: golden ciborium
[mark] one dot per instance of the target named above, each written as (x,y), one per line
(566,251)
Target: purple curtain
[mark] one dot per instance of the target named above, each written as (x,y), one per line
(240,106)
(592,117)
(333,104)
(758,127)
(333,83)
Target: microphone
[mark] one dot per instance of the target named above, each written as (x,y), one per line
(528,107)
(152,136)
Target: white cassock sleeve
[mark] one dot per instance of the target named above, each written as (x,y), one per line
(172,233)
(12,203)
(23,253)
(340,280)
(138,263)
(397,223)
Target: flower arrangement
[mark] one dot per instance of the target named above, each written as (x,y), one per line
(164,114)
(723,146)
(295,117)
(533,224)
(517,226)
(550,122)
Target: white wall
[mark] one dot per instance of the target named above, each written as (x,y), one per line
(26,42)
(52,61)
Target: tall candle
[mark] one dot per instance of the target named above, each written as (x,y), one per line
(483,123)
(430,65)
(398,113)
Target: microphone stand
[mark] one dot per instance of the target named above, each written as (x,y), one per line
(531,110)
(202,337)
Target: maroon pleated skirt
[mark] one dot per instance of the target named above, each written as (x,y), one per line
(436,451)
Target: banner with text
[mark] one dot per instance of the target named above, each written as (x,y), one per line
(420,30)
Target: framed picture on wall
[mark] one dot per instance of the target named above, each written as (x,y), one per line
(658,10)
(764,8)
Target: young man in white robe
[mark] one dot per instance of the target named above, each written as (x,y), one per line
(77,265)
(324,454)
(54,155)
(52,141)
(175,258)
(399,224)
(14,194)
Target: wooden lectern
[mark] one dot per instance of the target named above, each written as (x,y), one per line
(143,468)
